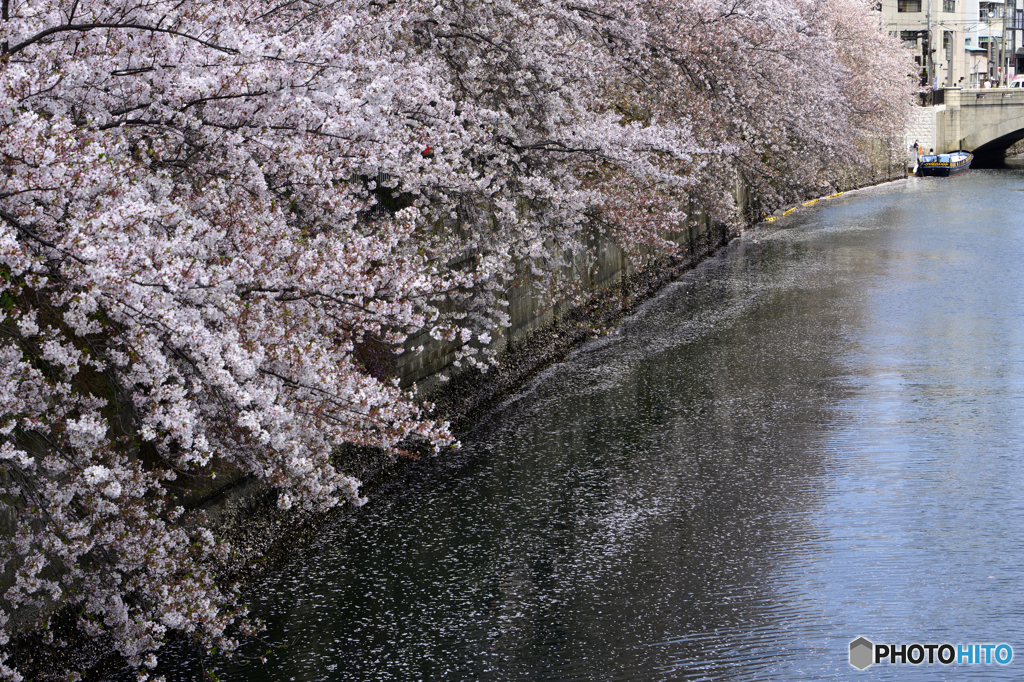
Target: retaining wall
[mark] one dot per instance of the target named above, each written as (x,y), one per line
(600,266)
(922,127)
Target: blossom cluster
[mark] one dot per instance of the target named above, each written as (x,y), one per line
(208,209)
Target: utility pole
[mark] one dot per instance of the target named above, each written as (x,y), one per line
(1002,50)
(948,54)
(1011,26)
(931,60)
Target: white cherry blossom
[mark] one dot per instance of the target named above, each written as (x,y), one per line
(210,214)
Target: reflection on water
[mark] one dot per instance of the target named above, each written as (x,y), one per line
(810,438)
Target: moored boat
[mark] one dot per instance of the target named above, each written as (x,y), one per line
(945,165)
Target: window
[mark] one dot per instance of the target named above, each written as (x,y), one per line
(909,39)
(949,6)
(989,10)
(908,5)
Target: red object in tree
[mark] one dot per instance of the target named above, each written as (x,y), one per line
(428,153)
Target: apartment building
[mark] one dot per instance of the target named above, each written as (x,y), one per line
(959,42)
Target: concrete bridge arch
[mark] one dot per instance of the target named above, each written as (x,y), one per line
(985,122)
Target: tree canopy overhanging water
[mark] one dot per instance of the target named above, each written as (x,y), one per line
(811,437)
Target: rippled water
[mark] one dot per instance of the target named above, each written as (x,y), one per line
(812,437)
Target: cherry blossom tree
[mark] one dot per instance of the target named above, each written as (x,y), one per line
(208,209)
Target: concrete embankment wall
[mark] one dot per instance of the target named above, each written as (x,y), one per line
(922,127)
(601,266)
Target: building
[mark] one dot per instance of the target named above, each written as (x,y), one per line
(959,42)
(992,21)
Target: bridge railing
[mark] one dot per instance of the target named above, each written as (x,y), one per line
(931,98)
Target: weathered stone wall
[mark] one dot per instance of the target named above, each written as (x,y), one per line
(922,127)
(600,266)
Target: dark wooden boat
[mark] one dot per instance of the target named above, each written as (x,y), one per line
(944,165)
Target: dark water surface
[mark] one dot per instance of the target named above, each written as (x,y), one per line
(812,437)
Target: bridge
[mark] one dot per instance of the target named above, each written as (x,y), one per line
(985,122)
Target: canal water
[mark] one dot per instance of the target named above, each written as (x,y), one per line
(812,437)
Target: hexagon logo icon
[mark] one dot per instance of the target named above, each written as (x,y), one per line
(862,653)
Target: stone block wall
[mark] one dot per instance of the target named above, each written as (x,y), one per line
(600,266)
(922,127)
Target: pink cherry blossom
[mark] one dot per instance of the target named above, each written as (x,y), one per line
(207,209)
